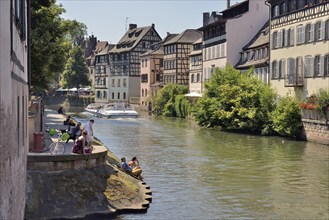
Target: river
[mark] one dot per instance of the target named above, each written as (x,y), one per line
(198,173)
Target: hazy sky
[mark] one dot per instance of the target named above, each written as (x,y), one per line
(106,19)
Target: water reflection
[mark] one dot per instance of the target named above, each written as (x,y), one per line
(198,173)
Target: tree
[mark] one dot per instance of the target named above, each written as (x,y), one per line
(235,101)
(51,39)
(164,103)
(76,70)
(287,120)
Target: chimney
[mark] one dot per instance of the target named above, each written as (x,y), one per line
(228,4)
(205,18)
(132,26)
(153,25)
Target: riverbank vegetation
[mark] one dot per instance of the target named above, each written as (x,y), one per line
(234,101)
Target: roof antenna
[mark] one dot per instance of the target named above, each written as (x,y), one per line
(127,22)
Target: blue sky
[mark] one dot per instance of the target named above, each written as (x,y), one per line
(106,19)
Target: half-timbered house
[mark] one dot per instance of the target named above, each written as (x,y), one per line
(176,57)
(101,73)
(124,63)
(195,84)
(152,72)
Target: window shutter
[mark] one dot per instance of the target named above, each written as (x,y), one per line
(322,30)
(303,35)
(286,38)
(283,68)
(311,33)
(321,66)
(292,37)
(311,66)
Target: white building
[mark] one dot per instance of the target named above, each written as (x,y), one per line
(227,32)
(14,101)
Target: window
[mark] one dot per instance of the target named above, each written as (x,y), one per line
(192,78)
(291,70)
(292,5)
(276,10)
(291,37)
(99,94)
(283,8)
(112,95)
(282,69)
(327,29)
(318,65)
(275,40)
(309,32)
(299,66)
(308,66)
(124,83)
(20,17)
(118,95)
(198,75)
(113,83)
(119,82)
(300,34)
(326,65)
(104,95)
(124,95)
(319,30)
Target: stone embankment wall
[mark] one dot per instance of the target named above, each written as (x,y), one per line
(316,131)
(81,186)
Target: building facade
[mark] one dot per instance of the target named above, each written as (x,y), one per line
(14,101)
(195,82)
(101,73)
(124,63)
(176,57)
(152,72)
(227,32)
(256,54)
(299,46)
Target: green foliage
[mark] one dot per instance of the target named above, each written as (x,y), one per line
(76,70)
(182,106)
(236,101)
(287,120)
(164,102)
(323,100)
(50,42)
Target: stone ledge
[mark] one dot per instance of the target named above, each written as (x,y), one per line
(47,162)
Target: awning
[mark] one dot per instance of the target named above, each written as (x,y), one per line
(193,94)
(61,90)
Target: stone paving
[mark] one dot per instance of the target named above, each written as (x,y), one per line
(52,119)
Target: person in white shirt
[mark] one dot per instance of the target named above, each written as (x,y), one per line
(89,128)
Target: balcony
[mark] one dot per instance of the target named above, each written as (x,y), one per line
(293,81)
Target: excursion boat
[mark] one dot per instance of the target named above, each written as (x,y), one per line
(113,110)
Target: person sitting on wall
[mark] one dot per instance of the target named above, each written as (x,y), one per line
(61,110)
(69,121)
(124,166)
(136,169)
(80,145)
(74,132)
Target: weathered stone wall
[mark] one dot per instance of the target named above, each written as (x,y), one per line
(81,186)
(316,131)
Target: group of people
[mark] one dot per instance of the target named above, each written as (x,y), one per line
(132,167)
(84,143)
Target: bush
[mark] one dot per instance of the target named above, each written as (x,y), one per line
(287,120)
